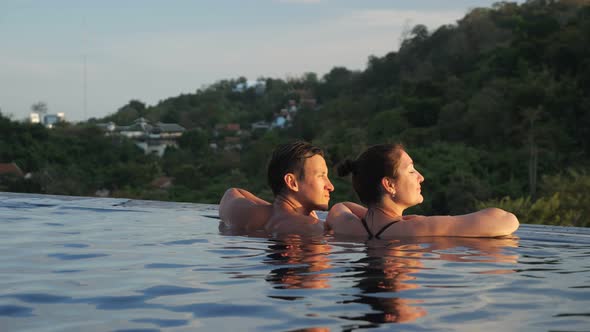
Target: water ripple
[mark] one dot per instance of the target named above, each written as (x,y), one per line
(185,242)
(54,224)
(75,245)
(40,298)
(15,311)
(163,322)
(166,290)
(228,310)
(69,257)
(185,273)
(166,266)
(120,302)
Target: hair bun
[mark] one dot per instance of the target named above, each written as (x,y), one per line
(346,167)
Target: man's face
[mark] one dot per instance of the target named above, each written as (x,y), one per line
(315,187)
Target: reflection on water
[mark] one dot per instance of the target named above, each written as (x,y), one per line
(301,263)
(114,265)
(386,269)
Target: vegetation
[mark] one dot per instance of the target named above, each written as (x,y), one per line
(493,109)
(565,201)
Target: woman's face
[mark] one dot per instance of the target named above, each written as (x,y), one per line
(407,185)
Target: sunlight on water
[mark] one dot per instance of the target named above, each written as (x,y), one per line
(73,264)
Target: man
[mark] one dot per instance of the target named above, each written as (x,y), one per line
(298,177)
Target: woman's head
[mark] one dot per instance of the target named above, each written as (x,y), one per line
(384,169)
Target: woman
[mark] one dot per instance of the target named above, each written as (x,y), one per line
(386,181)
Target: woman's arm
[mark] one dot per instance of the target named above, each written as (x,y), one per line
(356,209)
(240,209)
(491,222)
(345,218)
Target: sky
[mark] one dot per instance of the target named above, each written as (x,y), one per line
(89,58)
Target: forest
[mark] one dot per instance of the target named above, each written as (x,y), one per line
(494,109)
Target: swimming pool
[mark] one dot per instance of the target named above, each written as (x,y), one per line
(96,264)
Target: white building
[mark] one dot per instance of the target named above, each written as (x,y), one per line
(258,86)
(150,138)
(48,120)
(34,118)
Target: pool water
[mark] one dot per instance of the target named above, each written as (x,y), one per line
(96,264)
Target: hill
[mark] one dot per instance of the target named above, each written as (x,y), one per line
(494,109)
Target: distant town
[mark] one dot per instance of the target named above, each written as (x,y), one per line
(154,138)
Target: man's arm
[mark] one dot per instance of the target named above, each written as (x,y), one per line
(240,209)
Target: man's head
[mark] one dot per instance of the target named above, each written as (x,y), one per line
(289,158)
(288,173)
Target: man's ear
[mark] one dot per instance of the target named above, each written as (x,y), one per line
(291,181)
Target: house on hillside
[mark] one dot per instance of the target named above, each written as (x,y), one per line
(228,136)
(151,138)
(285,116)
(224,129)
(232,143)
(11,169)
(10,174)
(258,86)
(260,125)
(306,98)
(48,120)
(162,182)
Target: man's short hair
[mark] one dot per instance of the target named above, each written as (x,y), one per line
(289,158)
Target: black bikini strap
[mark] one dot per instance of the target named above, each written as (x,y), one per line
(384,228)
(367,228)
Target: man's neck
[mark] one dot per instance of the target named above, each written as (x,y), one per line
(291,205)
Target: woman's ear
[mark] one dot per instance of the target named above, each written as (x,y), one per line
(291,181)
(388,185)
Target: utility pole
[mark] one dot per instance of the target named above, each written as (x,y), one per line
(84,73)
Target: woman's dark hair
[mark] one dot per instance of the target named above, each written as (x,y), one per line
(289,158)
(369,168)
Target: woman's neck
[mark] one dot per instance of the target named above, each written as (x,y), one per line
(388,209)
